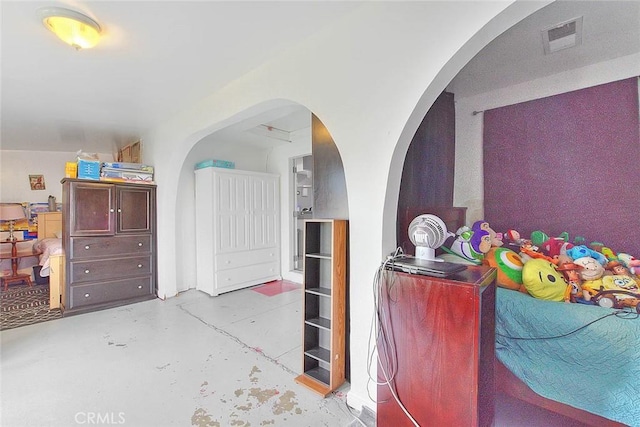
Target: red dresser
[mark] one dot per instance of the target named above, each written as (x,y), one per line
(442,334)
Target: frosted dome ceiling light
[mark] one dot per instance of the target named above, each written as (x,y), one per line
(74,28)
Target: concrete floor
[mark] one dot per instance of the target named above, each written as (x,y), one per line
(192,360)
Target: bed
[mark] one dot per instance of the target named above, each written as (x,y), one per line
(592,376)
(51,260)
(49,241)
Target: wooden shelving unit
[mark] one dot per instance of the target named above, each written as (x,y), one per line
(325,265)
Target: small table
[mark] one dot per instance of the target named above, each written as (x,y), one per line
(14,257)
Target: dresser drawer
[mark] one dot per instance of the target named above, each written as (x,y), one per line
(92,247)
(231,278)
(242,259)
(99,293)
(115,268)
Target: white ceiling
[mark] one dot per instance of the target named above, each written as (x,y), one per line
(155,59)
(159,57)
(611,29)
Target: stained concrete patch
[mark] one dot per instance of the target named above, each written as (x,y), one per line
(286,403)
(201,418)
(252,403)
(252,375)
(246,407)
(262,395)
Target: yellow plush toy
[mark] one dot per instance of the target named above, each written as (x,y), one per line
(613,283)
(543,281)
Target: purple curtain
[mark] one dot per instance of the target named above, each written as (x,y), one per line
(567,163)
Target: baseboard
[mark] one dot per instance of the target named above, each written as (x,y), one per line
(361,404)
(293,276)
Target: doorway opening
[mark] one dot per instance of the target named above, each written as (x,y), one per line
(302,171)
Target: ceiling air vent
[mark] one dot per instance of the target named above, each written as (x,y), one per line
(562,36)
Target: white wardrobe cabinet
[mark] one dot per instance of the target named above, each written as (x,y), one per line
(237,229)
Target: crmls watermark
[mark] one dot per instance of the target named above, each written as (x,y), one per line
(99,418)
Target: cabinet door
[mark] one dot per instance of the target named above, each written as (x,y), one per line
(91,209)
(265,203)
(134,207)
(233,212)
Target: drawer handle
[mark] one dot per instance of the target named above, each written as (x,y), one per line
(119,210)
(139,286)
(86,247)
(139,265)
(86,295)
(86,271)
(139,243)
(111,210)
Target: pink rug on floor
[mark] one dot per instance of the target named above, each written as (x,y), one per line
(276,287)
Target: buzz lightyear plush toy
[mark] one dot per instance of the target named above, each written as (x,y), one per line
(470,245)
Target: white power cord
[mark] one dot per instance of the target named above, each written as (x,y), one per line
(383,336)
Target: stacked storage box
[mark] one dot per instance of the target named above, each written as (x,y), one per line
(88,169)
(126,172)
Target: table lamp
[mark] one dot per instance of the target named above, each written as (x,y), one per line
(11,212)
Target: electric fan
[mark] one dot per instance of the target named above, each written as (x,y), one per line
(428,232)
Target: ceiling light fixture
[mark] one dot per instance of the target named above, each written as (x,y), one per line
(74,28)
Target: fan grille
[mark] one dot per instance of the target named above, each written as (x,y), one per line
(428,230)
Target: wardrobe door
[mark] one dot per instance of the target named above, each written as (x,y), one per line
(232,207)
(90,208)
(265,202)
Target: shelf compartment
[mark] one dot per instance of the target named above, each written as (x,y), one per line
(317,272)
(314,338)
(318,238)
(319,374)
(317,307)
(319,353)
(316,379)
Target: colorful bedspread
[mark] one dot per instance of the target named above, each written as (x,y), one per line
(596,368)
(48,247)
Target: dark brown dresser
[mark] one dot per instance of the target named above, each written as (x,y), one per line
(109,239)
(439,335)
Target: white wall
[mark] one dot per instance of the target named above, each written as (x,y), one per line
(207,148)
(17,165)
(370,78)
(469,182)
(273,160)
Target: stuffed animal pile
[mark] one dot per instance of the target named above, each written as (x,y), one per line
(553,268)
